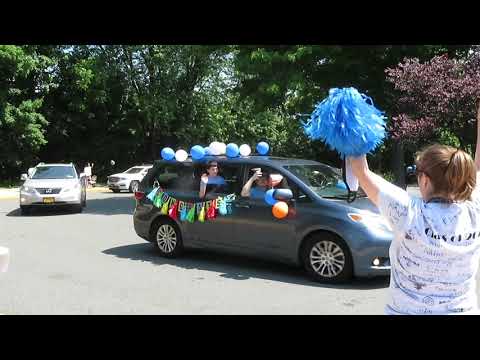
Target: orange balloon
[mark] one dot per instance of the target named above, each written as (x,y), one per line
(280,209)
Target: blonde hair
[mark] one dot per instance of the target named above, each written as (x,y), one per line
(452,172)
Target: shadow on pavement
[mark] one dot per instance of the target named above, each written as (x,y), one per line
(123,204)
(54,211)
(236,267)
(118,204)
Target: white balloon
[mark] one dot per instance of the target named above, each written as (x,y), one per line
(181,155)
(245,150)
(223,149)
(215,148)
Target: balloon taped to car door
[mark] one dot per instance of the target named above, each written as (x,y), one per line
(191,211)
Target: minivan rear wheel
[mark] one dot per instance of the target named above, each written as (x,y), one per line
(167,238)
(327,258)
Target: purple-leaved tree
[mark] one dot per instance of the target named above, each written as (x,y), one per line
(435,95)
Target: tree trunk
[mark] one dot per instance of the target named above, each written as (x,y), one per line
(398,164)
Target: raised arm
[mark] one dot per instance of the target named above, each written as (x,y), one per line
(370,182)
(248,185)
(477,148)
(203,185)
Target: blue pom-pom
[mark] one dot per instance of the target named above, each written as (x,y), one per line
(347,122)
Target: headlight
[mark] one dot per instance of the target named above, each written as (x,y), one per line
(122,178)
(369,219)
(27,189)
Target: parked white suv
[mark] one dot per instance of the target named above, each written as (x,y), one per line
(129,179)
(52,185)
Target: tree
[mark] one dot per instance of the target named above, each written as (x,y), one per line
(24,80)
(295,77)
(436,99)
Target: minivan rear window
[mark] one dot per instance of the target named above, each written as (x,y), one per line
(173,177)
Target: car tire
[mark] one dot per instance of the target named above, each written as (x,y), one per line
(25,210)
(115,191)
(327,258)
(167,238)
(77,208)
(133,186)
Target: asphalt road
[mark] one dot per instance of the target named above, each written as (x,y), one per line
(94,263)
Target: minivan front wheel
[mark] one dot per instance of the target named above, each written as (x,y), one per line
(327,258)
(167,238)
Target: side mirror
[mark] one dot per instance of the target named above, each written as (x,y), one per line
(24,177)
(283,194)
(30,171)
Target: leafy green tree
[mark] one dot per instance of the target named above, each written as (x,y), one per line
(24,81)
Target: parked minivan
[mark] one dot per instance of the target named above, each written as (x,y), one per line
(332,238)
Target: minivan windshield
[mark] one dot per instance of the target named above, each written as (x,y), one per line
(54,172)
(322,179)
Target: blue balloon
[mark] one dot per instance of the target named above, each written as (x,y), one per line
(197,152)
(262,148)
(168,153)
(269,199)
(232,150)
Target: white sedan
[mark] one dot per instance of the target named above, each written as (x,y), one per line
(129,179)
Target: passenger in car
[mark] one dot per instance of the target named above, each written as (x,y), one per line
(259,183)
(211,182)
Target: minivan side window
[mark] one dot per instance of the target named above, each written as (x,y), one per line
(298,194)
(271,178)
(173,177)
(231,173)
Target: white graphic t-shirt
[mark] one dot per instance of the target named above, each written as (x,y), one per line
(435,254)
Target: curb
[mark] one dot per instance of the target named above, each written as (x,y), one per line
(97,189)
(9,194)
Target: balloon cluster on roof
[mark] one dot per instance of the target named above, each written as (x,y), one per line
(198,152)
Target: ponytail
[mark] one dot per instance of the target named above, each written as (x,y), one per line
(460,176)
(452,172)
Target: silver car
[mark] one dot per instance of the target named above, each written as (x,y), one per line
(49,185)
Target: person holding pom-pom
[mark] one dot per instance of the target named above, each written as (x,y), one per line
(436,250)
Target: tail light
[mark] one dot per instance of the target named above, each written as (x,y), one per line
(139,195)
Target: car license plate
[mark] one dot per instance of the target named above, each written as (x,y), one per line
(48,200)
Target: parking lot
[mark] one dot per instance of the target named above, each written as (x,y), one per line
(94,263)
